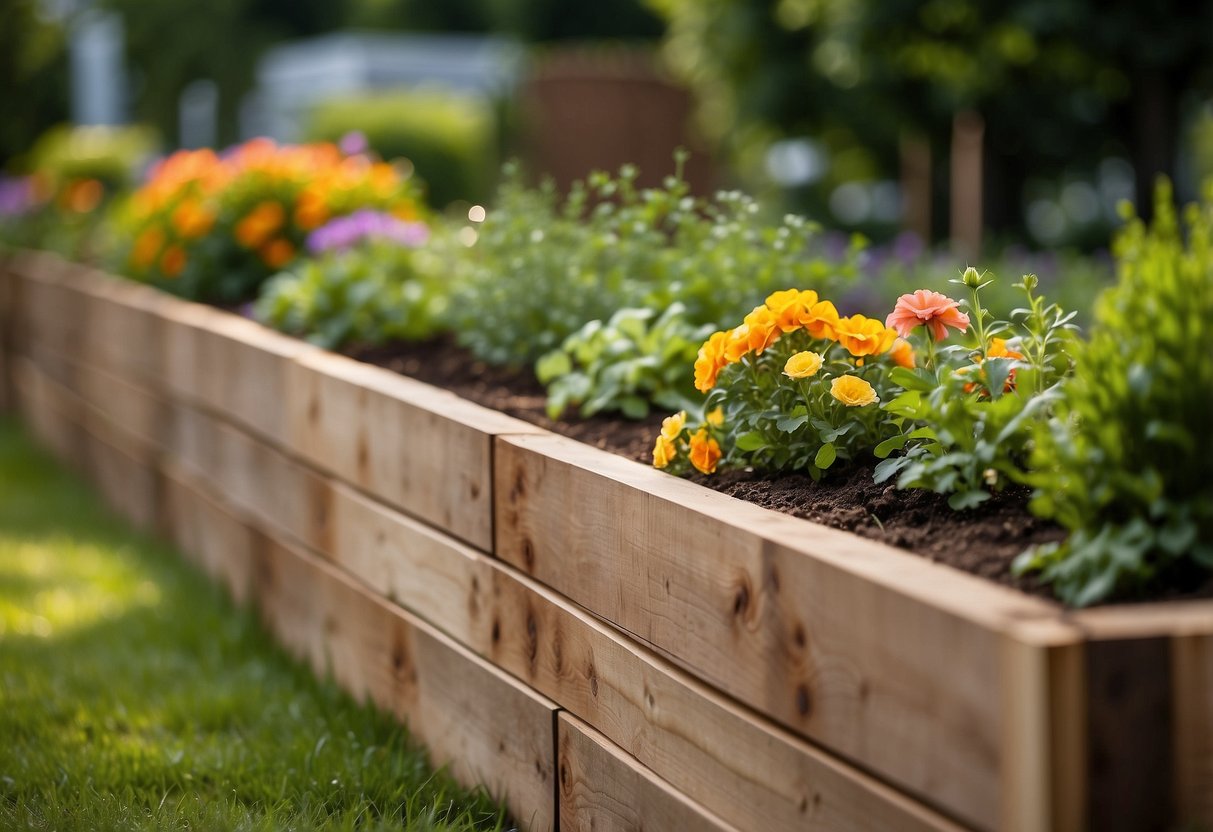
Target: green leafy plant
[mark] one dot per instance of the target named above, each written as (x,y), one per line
(635,358)
(366,295)
(1124,463)
(967,413)
(793,388)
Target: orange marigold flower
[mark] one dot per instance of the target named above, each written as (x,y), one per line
(936,311)
(853,391)
(864,336)
(763,329)
(147,246)
(710,361)
(172,261)
(705,452)
(260,224)
(737,344)
(998,349)
(663,452)
(83,195)
(191,219)
(311,212)
(903,354)
(819,318)
(715,418)
(277,253)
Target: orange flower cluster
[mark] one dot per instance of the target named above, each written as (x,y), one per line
(784,312)
(998,349)
(261,196)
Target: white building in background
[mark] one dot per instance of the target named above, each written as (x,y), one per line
(98,71)
(293,78)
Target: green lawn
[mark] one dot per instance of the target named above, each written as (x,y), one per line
(133,695)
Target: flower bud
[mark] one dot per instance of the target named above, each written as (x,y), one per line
(1030,282)
(971,278)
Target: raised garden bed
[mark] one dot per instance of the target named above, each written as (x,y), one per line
(587,635)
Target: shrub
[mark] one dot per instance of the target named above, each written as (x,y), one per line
(213,227)
(610,246)
(450,137)
(1124,465)
(968,410)
(367,295)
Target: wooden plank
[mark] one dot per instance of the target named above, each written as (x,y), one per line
(413,446)
(603,789)
(1152,620)
(50,421)
(202,346)
(1192,686)
(1131,731)
(744,769)
(122,468)
(47,310)
(486,727)
(280,493)
(213,538)
(122,326)
(877,654)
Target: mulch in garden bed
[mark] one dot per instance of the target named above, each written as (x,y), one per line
(983,541)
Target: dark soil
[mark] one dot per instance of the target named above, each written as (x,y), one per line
(983,542)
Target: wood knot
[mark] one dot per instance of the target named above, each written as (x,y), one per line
(741,600)
(400,658)
(364,454)
(592,674)
(496,631)
(313,410)
(532,637)
(528,554)
(803,701)
(557,653)
(474,490)
(564,774)
(518,490)
(799,636)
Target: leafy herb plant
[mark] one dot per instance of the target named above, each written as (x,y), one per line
(1124,463)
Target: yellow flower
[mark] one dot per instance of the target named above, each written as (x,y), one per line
(819,317)
(763,329)
(715,418)
(710,361)
(671,426)
(705,452)
(663,452)
(864,336)
(172,261)
(903,354)
(737,344)
(853,391)
(802,365)
(790,306)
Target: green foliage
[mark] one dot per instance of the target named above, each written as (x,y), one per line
(113,155)
(136,697)
(542,269)
(367,295)
(1124,465)
(33,76)
(450,137)
(967,415)
(635,358)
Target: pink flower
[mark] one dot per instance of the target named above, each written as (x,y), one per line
(937,311)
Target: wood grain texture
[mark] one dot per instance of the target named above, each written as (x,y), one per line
(50,418)
(875,653)
(209,534)
(486,727)
(723,757)
(603,789)
(420,449)
(202,345)
(121,326)
(280,493)
(1192,687)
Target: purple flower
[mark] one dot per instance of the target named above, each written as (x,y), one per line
(345,232)
(354,143)
(16,195)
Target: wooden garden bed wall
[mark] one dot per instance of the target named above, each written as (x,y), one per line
(586,636)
